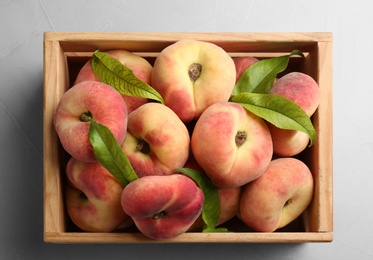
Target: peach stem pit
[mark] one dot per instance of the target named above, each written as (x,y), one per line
(240,138)
(194,71)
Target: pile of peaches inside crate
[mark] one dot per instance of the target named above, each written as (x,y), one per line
(187,137)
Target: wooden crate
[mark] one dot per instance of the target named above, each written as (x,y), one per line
(65,53)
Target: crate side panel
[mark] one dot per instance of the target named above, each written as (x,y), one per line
(270,42)
(325,122)
(55,80)
(239,237)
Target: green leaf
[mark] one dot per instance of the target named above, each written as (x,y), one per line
(277,110)
(259,77)
(109,153)
(112,72)
(211,204)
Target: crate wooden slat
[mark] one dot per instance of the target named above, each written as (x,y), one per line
(66,52)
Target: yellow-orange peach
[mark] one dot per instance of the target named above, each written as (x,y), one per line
(93,197)
(192,75)
(229,199)
(277,197)
(163,206)
(231,144)
(140,67)
(157,141)
(304,91)
(242,63)
(81,103)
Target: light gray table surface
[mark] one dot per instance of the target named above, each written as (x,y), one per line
(22,24)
